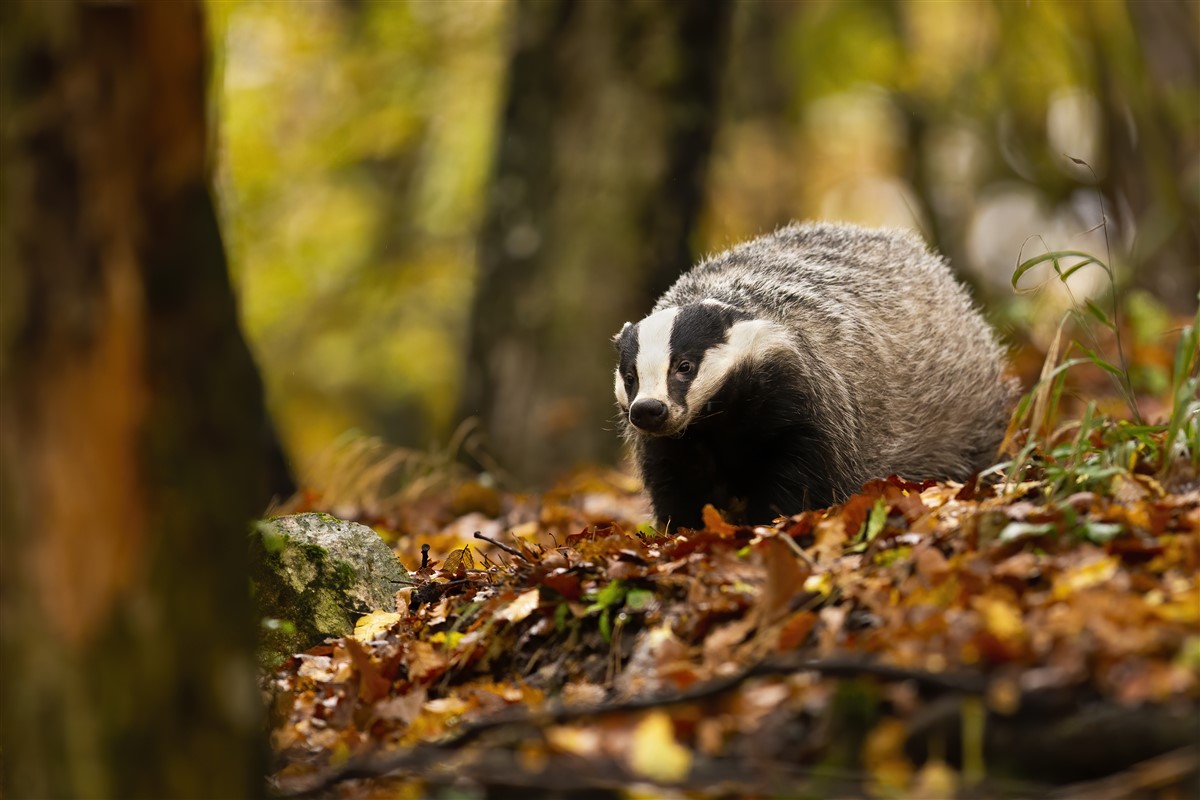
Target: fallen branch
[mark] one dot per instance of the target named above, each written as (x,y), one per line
(1177,769)
(369,767)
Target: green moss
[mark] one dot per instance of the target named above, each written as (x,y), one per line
(273,541)
(328,615)
(300,576)
(343,575)
(313,553)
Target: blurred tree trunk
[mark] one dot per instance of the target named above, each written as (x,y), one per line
(605,139)
(134,447)
(1148,81)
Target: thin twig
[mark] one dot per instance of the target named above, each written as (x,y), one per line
(798,550)
(508,548)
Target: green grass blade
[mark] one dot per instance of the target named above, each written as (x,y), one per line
(1054,257)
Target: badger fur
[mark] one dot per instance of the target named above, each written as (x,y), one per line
(786,372)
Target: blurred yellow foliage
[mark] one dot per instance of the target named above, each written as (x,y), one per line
(355,139)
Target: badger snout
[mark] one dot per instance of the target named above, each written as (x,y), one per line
(649,414)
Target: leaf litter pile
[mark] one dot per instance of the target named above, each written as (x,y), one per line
(919,640)
(1032,633)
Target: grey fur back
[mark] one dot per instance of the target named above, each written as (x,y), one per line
(905,372)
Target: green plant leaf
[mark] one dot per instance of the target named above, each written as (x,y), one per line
(1101,532)
(1099,314)
(1054,257)
(877,519)
(638,599)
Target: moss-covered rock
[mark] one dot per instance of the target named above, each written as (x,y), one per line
(314,574)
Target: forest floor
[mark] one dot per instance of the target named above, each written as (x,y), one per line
(1032,633)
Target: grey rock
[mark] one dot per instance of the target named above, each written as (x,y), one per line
(314,575)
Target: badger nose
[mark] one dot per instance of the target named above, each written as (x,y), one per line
(648,414)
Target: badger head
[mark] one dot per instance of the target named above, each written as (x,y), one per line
(675,360)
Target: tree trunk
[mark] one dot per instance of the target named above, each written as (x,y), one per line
(598,176)
(134,447)
(1145,75)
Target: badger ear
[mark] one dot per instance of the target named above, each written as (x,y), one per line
(616,339)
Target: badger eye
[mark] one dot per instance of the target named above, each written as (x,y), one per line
(628,377)
(684,368)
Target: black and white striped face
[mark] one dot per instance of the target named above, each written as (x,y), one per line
(675,360)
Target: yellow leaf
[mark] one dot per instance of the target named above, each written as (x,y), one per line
(1072,580)
(884,757)
(340,753)
(819,583)
(576,740)
(935,780)
(654,753)
(1184,608)
(370,626)
(449,639)
(1002,619)
(459,561)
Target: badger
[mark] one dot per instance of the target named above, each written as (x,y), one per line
(784,373)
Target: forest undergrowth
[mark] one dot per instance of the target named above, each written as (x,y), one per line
(1033,632)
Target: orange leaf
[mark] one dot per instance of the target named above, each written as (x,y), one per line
(713,521)
(372,685)
(796,629)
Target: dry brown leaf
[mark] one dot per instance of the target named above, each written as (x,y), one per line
(786,574)
(371,684)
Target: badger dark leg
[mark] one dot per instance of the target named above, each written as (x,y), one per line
(680,480)
(752,479)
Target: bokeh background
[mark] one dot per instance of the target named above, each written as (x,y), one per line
(439,211)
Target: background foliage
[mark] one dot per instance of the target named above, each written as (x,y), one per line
(356,138)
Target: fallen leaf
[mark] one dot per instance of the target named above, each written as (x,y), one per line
(786,575)
(575,739)
(401,708)
(425,661)
(369,626)
(459,561)
(371,684)
(829,539)
(1185,608)
(520,608)
(655,754)
(713,521)
(931,564)
(934,781)
(883,755)
(794,632)
(1082,577)
(1001,618)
